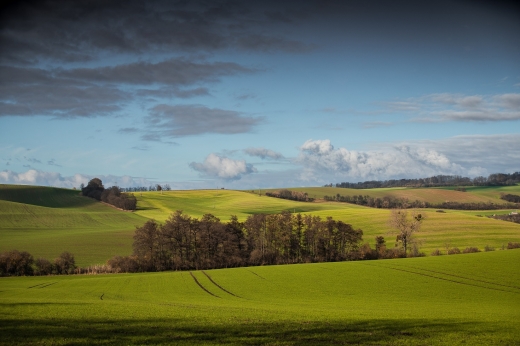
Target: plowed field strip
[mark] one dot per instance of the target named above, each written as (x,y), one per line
(200,285)
(444,279)
(222,288)
(465,278)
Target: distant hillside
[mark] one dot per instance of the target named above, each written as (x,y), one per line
(473,194)
(46,221)
(496,179)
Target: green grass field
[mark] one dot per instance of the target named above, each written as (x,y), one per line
(471,299)
(47,221)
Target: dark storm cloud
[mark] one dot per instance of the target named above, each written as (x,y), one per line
(84,92)
(78,30)
(171,72)
(42,43)
(186,120)
(26,91)
(170,92)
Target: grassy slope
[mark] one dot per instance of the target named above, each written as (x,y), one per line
(48,221)
(432,195)
(456,228)
(463,299)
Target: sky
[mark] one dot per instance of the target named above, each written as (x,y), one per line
(248,95)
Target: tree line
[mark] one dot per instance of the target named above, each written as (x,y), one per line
(112,195)
(510,198)
(496,179)
(291,195)
(156,187)
(22,263)
(184,242)
(389,202)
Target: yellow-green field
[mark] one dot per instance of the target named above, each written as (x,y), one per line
(473,194)
(47,221)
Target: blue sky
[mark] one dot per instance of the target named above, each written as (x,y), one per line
(244,95)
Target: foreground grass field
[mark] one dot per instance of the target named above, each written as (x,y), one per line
(46,221)
(460,299)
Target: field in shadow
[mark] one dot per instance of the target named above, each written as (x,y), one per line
(239,332)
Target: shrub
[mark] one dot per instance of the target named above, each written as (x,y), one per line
(454,251)
(470,249)
(16,263)
(513,245)
(436,252)
(489,248)
(43,266)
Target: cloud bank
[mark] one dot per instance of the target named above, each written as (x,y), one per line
(41,178)
(322,162)
(461,108)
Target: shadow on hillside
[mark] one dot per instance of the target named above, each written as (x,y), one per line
(42,196)
(146,208)
(190,332)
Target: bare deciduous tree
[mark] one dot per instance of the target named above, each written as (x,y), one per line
(407,224)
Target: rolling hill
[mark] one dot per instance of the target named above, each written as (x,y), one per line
(46,221)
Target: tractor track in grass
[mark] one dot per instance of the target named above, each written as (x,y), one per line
(52,283)
(214,283)
(261,277)
(200,285)
(37,285)
(444,279)
(465,278)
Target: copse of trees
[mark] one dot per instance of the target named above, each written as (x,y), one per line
(184,243)
(496,179)
(291,195)
(112,195)
(16,263)
(510,198)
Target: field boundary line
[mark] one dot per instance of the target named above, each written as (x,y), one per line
(222,288)
(449,280)
(200,285)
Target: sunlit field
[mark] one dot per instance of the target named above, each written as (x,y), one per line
(458,299)
(48,221)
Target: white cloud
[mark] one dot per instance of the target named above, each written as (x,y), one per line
(223,167)
(322,162)
(480,154)
(40,178)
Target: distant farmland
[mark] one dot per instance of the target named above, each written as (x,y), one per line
(47,221)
